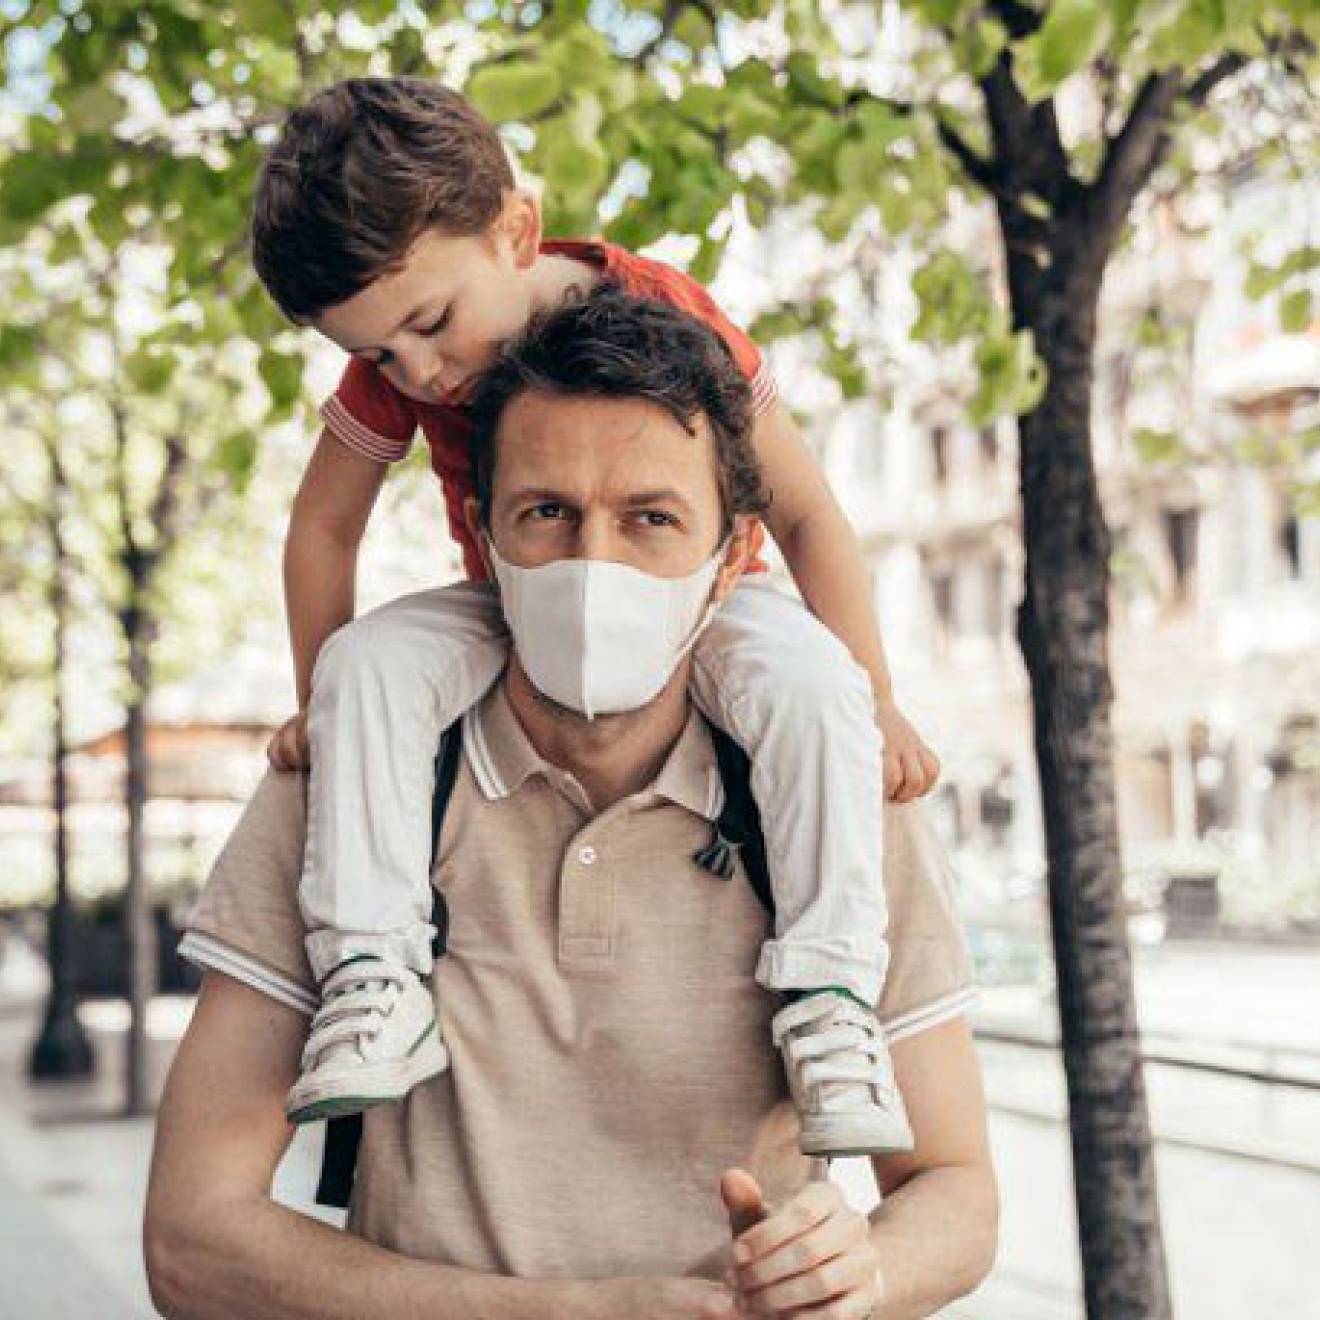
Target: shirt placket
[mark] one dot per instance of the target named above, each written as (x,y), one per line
(587,927)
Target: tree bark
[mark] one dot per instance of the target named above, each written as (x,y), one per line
(61,1049)
(1063,629)
(137,626)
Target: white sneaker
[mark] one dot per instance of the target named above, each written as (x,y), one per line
(841,1077)
(373,1039)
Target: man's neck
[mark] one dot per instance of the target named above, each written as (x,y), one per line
(611,756)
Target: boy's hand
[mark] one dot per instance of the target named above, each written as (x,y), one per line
(813,1252)
(288,748)
(911,768)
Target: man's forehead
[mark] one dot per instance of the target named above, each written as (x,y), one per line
(589,436)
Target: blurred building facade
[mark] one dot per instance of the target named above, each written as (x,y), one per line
(1216,598)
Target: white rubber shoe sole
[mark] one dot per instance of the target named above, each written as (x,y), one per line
(352,1088)
(844,1135)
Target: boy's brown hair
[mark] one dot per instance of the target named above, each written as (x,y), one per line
(357,175)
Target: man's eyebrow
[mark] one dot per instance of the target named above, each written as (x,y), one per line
(536,495)
(407,321)
(661,495)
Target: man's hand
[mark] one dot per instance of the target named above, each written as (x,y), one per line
(288,748)
(663,1299)
(814,1251)
(911,768)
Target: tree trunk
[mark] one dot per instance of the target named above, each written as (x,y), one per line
(141,933)
(61,1049)
(1063,626)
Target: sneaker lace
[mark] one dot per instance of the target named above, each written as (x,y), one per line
(356,998)
(832,1042)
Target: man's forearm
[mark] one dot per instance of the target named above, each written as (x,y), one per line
(256,1260)
(936,1238)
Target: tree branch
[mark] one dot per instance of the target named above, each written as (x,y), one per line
(977,167)
(673,9)
(1133,153)
(1028,149)
(1020,20)
(1198,90)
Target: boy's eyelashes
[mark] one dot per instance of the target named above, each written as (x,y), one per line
(384,357)
(436,326)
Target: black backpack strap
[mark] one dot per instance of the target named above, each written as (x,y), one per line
(343,1135)
(738,830)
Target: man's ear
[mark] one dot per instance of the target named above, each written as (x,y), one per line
(477,530)
(519,225)
(737,555)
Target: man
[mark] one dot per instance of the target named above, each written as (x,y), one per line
(614,1137)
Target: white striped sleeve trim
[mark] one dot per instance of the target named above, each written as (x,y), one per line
(359,438)
(934,1014)
(764,389)
(207,952)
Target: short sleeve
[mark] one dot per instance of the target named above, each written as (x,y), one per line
(247,922)
(930,976)
(684,292)
(369,415)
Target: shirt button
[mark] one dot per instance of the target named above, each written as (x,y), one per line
(587,855)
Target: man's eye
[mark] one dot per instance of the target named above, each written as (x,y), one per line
(656,518)
(548,511)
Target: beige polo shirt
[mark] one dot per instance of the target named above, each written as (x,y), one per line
(611,1051)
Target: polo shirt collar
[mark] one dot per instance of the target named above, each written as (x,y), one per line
(503,759)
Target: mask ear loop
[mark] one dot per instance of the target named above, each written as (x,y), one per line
(712,608)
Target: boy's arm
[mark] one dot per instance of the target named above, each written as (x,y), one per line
(330,512)
(822,553)
(218,1248)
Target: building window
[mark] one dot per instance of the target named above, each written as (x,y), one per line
(988,443)
(1290,542)
(941,598)
(939,453)
(1180,534)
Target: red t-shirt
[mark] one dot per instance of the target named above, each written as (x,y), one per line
(374,419)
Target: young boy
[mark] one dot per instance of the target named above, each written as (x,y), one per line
(388,218)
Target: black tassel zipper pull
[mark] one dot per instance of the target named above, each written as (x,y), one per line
(719,856)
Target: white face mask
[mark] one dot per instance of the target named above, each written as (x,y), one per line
(600,637)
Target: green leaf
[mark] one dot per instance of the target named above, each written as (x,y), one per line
(1154,446)
(806,81)
(953,301)
(518,91)
(859,164)
(1073,34)
(1296,311)
(282,374)
(150,372)
(236,456)
(18,345)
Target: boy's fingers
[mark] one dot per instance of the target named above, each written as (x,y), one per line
(893,774)
(930,763)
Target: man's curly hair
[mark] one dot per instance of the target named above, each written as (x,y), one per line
(609,344)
